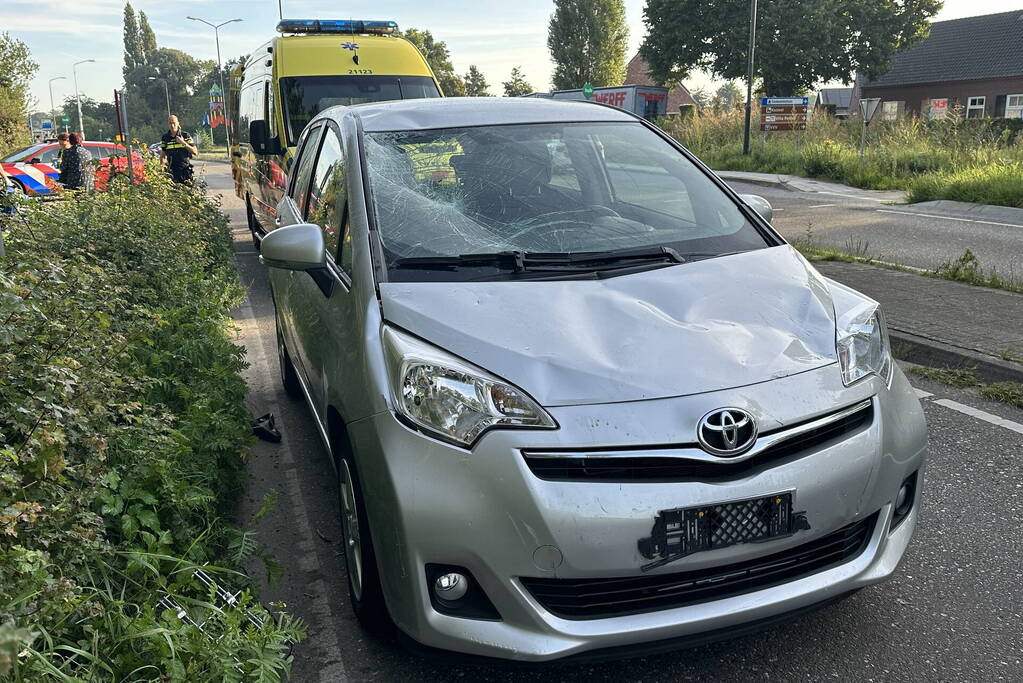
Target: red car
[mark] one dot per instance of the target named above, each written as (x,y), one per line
(34,169)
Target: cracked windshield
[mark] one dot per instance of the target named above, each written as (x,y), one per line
(551,189)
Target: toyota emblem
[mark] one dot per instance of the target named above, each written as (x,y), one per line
(727,432)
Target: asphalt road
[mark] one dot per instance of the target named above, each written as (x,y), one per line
(921,235)
(953,612)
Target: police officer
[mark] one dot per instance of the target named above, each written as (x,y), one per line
(176,149)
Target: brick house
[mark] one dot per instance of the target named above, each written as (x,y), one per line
(637,73)
(975,63)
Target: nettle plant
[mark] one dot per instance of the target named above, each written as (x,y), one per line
(123,435)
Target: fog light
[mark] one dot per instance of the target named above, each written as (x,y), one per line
(902,500)
(451,586)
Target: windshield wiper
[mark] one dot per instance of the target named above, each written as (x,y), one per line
(525,261)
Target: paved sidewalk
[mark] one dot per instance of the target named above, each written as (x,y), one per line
(809,185)
(943,322)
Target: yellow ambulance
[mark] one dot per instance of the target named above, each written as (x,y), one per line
(314,64)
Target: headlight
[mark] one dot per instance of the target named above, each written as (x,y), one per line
(862,342)
(450,398)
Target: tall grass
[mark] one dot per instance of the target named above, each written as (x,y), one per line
(967,160)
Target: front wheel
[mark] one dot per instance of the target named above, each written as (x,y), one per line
(364,587)
(289,376)
(250,218)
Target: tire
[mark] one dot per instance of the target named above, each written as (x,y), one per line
(289,376)
(364,588)
(250,218)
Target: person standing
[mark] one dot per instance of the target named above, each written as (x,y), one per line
(62,146)
(176,150)
(75,165)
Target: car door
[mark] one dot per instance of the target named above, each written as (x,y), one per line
(287,288)
(325,324)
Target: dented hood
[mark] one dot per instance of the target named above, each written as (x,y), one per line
(687,329)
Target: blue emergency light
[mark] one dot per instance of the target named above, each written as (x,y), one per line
(353,26)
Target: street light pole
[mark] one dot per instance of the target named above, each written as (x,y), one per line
(53,109)
(166,92)
(749,76)
(78,98)
(220,71)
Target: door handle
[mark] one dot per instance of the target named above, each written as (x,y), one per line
(277,221)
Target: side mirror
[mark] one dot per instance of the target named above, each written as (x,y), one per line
(260,139)
(760,205)
(295,247)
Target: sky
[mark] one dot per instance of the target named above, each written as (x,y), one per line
(495,35)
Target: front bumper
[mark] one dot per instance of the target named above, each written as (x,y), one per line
(484,510)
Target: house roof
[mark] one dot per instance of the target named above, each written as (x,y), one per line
(840,97)
(638,73)
(988,46)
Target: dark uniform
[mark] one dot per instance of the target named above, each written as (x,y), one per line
(178,164)
(75,169)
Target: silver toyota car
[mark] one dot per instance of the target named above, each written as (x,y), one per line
(580,396)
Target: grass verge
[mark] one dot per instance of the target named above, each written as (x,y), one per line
(972,160)
(966,268)
(123,436)
(1010,393)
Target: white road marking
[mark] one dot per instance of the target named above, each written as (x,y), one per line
(821,206)
(981,415)
(951,218)
(321,609)
(920,393)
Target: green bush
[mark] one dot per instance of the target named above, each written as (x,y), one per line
(122,442)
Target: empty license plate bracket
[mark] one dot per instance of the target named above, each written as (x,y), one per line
(683,531)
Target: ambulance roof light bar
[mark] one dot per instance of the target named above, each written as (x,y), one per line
(351,26)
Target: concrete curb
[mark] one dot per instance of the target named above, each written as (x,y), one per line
(800,184)
(936,353)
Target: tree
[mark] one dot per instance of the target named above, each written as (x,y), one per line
(134,57)
(516,85)
(439,58)
(147,39)
(16,71)
(475,84)
(588,40)
(728,95)
(701,96)
(798,43)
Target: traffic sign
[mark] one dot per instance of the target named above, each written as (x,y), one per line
(64,120)
(868,105)
(782,126)
(783,118)
(785,101)
(46,125)
(787,109)
(587,90)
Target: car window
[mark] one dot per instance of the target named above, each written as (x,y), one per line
(48,156)
(642,179)
(540,188)
(306,159)
(327,192)
(103,151)
(23,153)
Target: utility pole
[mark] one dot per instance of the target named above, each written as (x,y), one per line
(78,97)
(749,76)
(53,110)
(220,71)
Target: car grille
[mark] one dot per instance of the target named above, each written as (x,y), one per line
(612,597)
(668,467)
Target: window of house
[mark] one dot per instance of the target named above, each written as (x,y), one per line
(1014,107)
(975,107)
(890,110)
